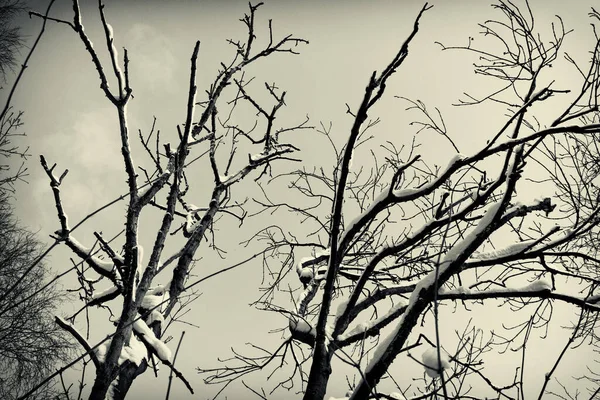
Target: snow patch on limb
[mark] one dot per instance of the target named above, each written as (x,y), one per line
(505,252)
(566,232)
(458,290)
(397,396)
(300,325)
(159,290)
(328,334)
(110,394)
(399,193)
(160,348)
(511,167)
(306,274)
(429,280)
(104,265)
(341,309)
(259,157)
(300,266)
(65,322)
(266,153)
(120,258)
(101,351)
(358,329)
(192,220)
(460,247)
(110,30)
(380,198)
(528,203)
(322,272)
(254,158)
(540,284)
(455,159)
(154,297)
(154,316)
(151,301)
(135,351)
(362,328)
(144,189)
(323,252)
(104,293)
(430,362)
(140,266)
(535,286)
(69,327)
(346,397)
(304,297)
(163,352)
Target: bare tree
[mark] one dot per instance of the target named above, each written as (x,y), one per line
(11,39)
(231,153)
(394,243)
(10,43)
(30,345)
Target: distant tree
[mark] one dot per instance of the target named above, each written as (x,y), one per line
(11,42)
(394,243)
(230,151)
(11,39)
(30,344)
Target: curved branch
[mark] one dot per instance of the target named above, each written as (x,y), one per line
(79,337)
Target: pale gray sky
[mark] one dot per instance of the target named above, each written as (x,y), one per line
(70,122)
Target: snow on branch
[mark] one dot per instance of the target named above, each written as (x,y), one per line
(159,347)
(102,267)
(301,329)
(516,248)
(427,283)
(69,327)
(372,327)
(104,296)
(453,164)
(540,288)
(134,352)
(307,267)
(434,365)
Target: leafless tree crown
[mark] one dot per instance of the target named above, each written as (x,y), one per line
(393,244)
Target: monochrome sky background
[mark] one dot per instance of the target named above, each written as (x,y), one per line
(69,121)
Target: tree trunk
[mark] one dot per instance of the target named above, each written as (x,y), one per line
(127,375)
(101,384)
(320,371)
(379,368)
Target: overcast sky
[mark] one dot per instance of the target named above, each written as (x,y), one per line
(70,122)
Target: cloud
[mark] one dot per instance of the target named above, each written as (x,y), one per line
(95,142)
(90,147)
(151,59)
